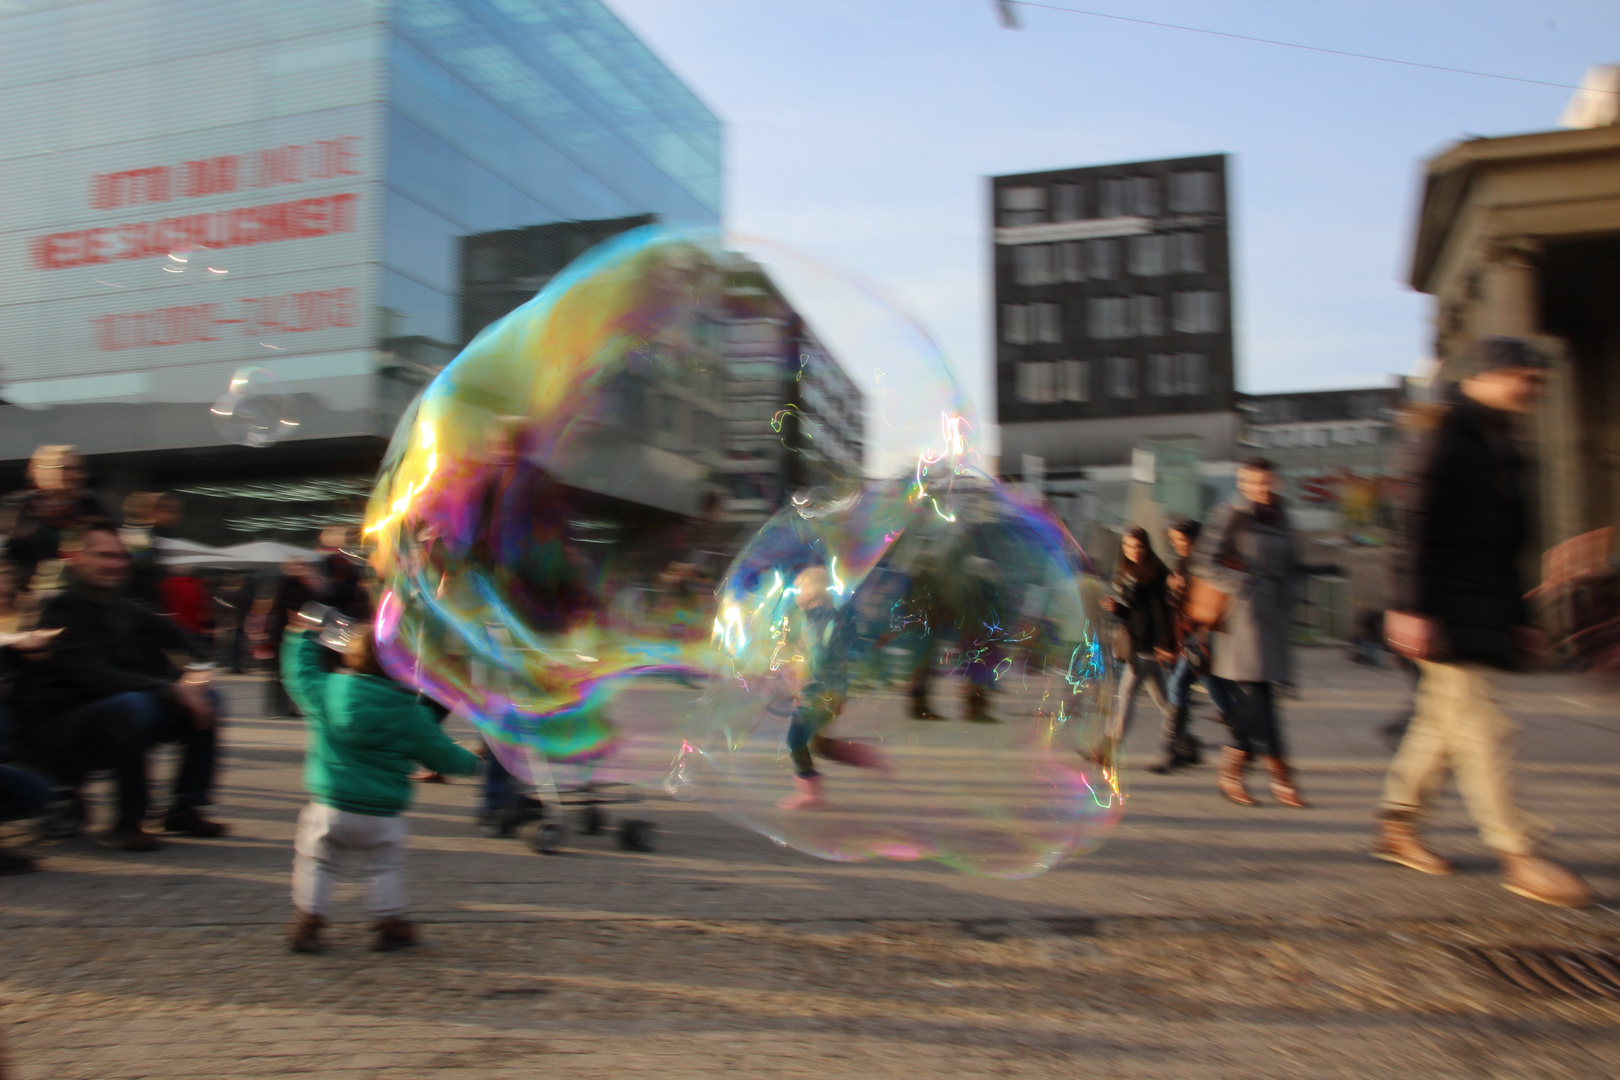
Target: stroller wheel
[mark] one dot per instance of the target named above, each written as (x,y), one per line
(549,838)
(636,836)
(592,821)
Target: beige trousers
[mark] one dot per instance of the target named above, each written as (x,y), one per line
(1458,728)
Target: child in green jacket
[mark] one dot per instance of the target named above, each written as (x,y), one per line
(367,733)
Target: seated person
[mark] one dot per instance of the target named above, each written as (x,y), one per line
(23,795)
(109,691)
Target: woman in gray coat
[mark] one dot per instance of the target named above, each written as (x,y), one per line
(1246,550)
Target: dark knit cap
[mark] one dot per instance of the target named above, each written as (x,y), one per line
(1490,353)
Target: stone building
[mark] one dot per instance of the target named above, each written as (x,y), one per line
(1520,235)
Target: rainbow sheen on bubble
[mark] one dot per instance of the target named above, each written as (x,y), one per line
(501,602)
(511,597)
(948,663)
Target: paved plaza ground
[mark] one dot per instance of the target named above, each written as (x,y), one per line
(1203,940)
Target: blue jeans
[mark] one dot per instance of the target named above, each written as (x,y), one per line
(813,709)
(116,732)
(1255,727)
(22,794)
(1181,680)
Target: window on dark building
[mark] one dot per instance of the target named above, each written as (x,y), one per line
(1102,260)
(1015,324)
(1113,197)
(1075,380)
(1187,252)
(1066,202)
(1071,266)
(1149,255)
(1145,201)
(1192,192)
(1023,205)
(1048,323)
(1196,312)
(1147,315)
(1122,377)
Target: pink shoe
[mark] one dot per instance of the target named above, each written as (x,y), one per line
(806,795)
(860,755)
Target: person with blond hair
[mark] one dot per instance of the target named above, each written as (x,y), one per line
(56,502)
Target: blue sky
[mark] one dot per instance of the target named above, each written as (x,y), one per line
(859,131)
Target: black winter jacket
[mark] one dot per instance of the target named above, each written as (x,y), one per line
(1144,607)
(1465,525)
(108,646)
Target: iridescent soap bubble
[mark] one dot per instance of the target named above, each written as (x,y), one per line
(941,634)
(514,597)
(255,409)
(513,590)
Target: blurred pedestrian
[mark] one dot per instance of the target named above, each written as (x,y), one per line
(1462,616)
(109,692)
(297,586)
(55,502)
(1143,608)
(1181,748)
(233,600)
(1247,551)
(366,733)
(137,532)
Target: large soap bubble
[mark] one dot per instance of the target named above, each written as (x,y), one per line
(551,518)
(911,670)
(531,522)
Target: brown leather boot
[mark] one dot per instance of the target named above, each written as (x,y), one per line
(1234,763)
(1398,842)
(1282,784)
(394,934)
(1537,879)
(304,933)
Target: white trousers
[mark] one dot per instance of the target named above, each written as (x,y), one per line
(327,837)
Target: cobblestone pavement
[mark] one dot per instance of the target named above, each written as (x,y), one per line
(1202,941)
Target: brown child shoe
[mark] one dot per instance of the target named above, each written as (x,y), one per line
(304,933)
(394,934)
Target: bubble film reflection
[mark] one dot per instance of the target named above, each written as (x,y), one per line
(255,409)
(911,670)
(513,598)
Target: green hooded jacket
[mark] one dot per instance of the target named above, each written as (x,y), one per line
(366,734)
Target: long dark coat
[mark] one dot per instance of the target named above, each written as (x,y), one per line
(1465,522)
(1255,564)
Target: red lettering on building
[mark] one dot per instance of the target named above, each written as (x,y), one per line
(287,313)
(298,313)
(109,191)
(323,159)
(167,326)
(322,215)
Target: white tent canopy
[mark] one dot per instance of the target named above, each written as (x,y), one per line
(258,553)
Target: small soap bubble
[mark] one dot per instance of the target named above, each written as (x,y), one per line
(921,660)
(255,409)
(194,263)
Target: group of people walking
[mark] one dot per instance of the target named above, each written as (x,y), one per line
(1460,613)
(1166,642)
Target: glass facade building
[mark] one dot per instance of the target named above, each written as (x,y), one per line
(198,186)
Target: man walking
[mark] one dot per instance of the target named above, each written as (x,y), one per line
(1461,615)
